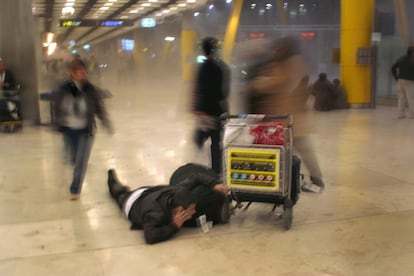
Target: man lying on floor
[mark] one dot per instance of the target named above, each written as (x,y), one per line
(161,211)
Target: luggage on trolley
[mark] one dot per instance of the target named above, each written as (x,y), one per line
(258,165)
(10,115)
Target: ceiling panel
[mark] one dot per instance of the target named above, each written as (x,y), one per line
(51,12)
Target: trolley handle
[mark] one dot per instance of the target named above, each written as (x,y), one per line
(284,117)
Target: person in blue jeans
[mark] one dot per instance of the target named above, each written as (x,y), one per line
(76,104)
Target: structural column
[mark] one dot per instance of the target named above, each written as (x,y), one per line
(356,29)
(18,37)
(403,24)
(188,46)
(231,31)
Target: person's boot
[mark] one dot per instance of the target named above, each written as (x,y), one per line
(114,185)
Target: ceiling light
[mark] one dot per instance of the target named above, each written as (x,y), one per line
(182,5)
(165,11)
(228,1)
(69,4)
(146,4)
(68,11)
(49,37)
(109,4)
(158,14)
(169,38)
(191,1)
(153,1)
(133,11)
(210,7)
(51,48)
(196,14)
(70,1)
(173,8)
(113,1)
(104,8)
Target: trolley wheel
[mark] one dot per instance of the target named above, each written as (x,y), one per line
(287,217)
(225,212)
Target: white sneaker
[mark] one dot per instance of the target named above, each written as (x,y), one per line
(310,187)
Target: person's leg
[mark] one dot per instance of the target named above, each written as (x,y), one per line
(83,150)
(118,191)
(402,98)
(215,136)
(305,149)
(409,92)
(70,145)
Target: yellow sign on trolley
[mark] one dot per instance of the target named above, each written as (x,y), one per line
(253,168)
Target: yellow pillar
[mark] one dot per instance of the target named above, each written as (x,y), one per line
(231,30)
(356,29)
(188,55)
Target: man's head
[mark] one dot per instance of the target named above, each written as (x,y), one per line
(210,45)
(322,76)
(78,71)
(286,47)
(183,198)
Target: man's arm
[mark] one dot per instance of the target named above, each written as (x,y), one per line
(101,110)
(10,80)
(209,181)
(395,68)
(155,231)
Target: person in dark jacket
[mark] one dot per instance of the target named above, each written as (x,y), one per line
(75,106)
(403,72)
(7,79)
(210,94)
(322,89)
(9,108)
(339,95)
(161,211)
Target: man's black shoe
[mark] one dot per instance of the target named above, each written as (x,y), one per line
(114,185)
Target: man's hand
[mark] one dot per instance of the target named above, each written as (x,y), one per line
(181,215)
(221,189)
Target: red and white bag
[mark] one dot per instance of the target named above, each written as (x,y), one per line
(270,133)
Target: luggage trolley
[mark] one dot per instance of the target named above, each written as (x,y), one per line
(258,161)
(9,109)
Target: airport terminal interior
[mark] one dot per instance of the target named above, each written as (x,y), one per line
(360,224)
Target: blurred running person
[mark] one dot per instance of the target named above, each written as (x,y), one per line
(281,87)
(76,104)
(212,85)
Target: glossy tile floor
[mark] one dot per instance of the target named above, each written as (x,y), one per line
(363,223)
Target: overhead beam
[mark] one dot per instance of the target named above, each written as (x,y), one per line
(49,15)
(86,8)
(137,18)
(111,16)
